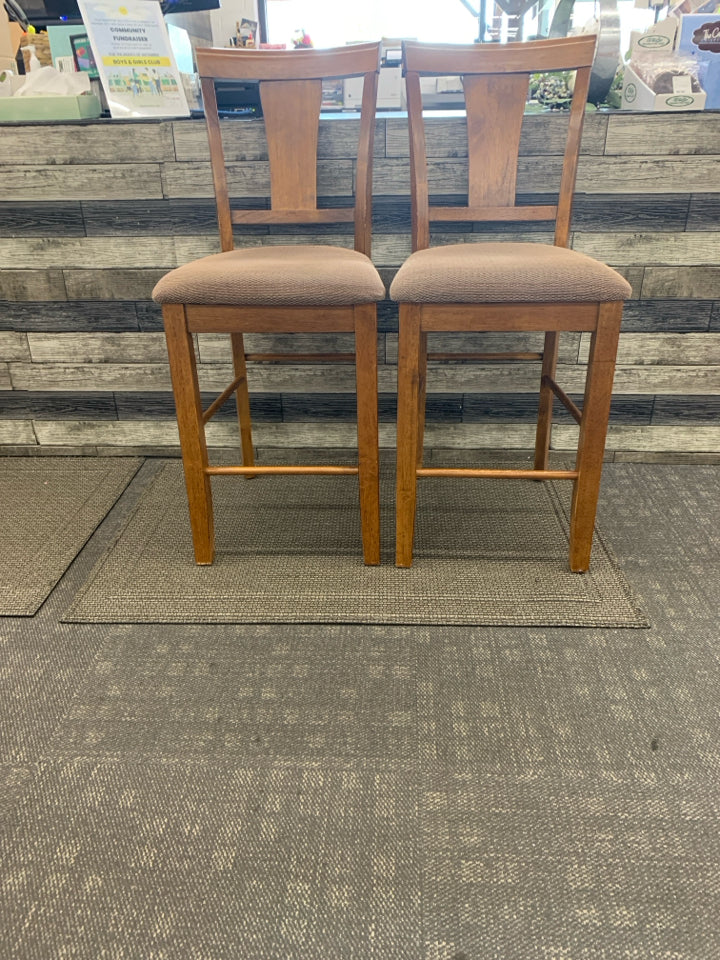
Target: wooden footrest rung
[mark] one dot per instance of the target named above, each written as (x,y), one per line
(257,470)
(497,474)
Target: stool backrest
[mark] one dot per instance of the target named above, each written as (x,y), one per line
(290,83)
(495,79)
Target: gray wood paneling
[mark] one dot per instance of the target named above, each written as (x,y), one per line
(335,178)
(648,174)
(87,377)
(149,315)
(667,316)
(111,284)
(29,218)
(32,285)
(93,348)
(72,315)
(17,432)
(698,283)
(656,248)
(541,135)
(157,218)
(704,212)
(512,407)
(88,253)
(82,256)
(79,144)
(715,317)
(621,437)
(642,349)
(491,343)
(138,181)
(161,406)
(20,405)
(688,410)
(215,348)
(661,134)
(14,346)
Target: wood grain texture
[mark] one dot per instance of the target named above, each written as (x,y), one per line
(648,349)
(700,283)
(86,181)
(88,253)
(17,432)
(663,134)
(660,249)
(69,316)
(79,256)
(95,348)
(190,180)
(32,285)
(118,142)
(14,346)
(28,218)
(111,284)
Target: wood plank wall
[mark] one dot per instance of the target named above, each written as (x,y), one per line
(93,213)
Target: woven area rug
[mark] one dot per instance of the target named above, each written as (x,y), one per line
(51,506)
(288,551)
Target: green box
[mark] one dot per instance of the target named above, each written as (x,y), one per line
(27,109)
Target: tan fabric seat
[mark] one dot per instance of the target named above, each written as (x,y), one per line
(275,275)
(504,272)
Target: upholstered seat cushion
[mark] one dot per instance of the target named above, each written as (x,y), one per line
(505,272)
(281,275)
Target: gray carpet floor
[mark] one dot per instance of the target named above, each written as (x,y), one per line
(295,792)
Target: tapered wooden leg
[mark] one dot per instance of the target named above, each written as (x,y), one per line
(421,400)
(183,372)
(593,431)
(242,396)
(545,403)
(409,353)
(367,428)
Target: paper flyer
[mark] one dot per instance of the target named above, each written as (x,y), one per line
(134,58)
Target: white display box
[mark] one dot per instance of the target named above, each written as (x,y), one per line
(637,95)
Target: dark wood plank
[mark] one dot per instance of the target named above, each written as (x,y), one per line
(510,408)
(22,405)
(154,217)
(681,409)
(35,219)
(667,316)
(70,316)
(266,407)
(704,212)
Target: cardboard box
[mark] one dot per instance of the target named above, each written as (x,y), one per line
(637,95)
(27,109)
(390,85)
(699,37)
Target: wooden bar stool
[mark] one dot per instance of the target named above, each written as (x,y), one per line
(301,288)
(503,286)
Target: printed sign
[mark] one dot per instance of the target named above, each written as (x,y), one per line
(134,58)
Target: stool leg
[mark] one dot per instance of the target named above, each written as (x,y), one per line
(593,431)
(367,429)
(408,429)
(183,371)
(545,402)
(242,397)
(422,390)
